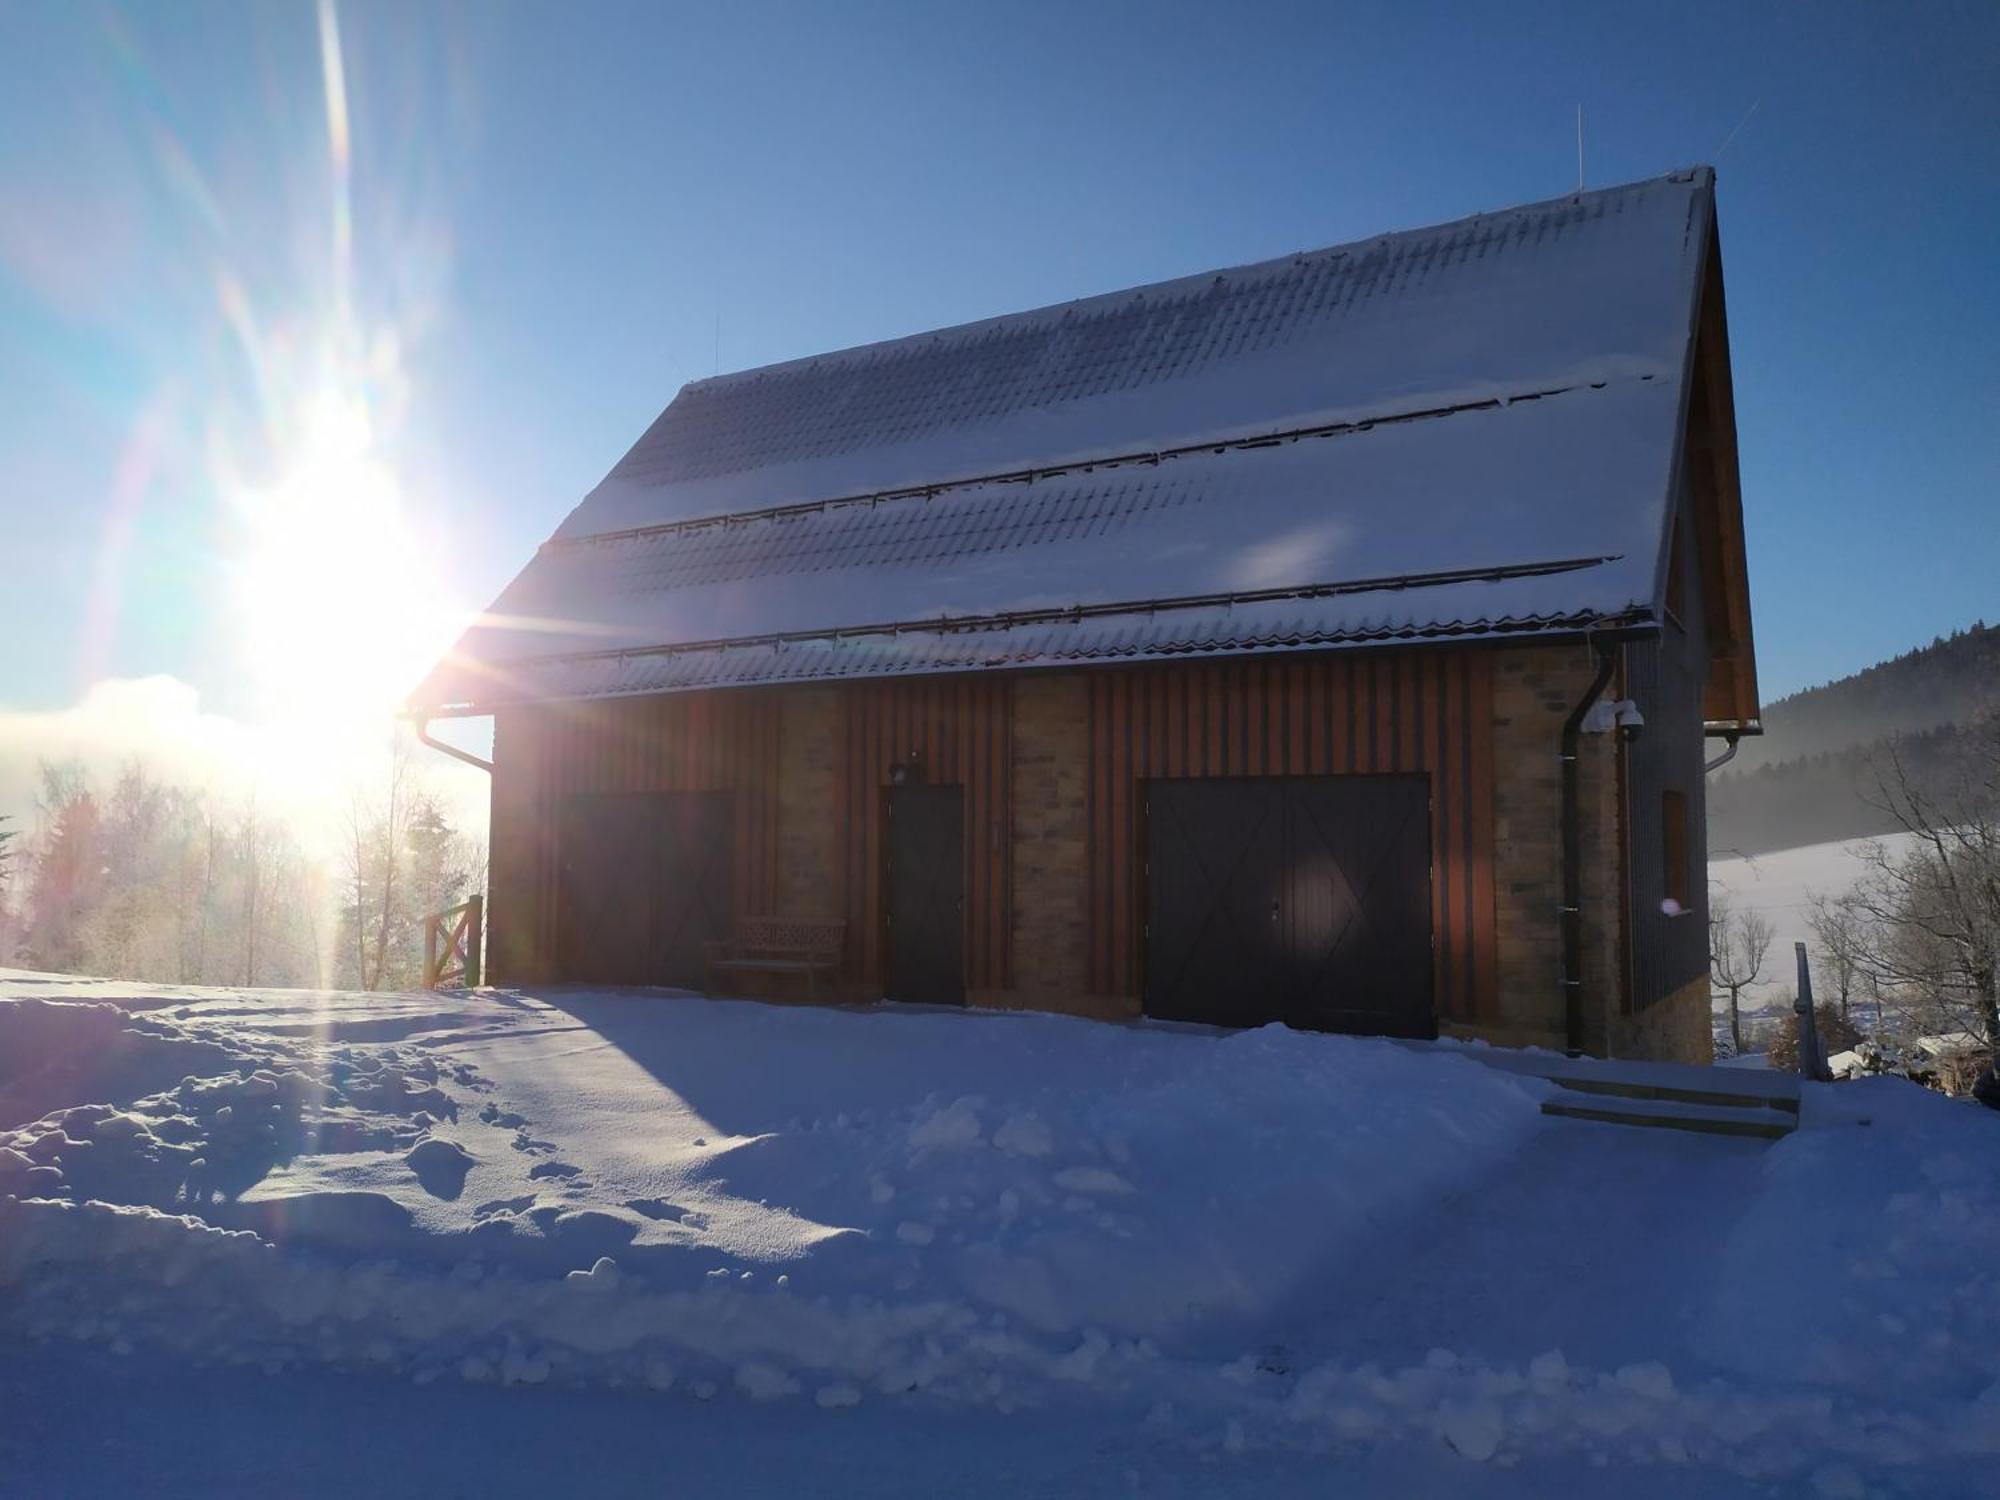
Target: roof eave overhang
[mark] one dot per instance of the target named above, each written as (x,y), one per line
(1631,624)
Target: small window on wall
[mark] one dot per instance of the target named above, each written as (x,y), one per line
(1674,854)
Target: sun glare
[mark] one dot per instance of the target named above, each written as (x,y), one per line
(340,613)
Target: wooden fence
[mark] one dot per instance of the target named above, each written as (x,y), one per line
(452,944)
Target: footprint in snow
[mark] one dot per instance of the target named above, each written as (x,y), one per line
(657,1208)
(504,1206)
(440,1166)
(553,1169)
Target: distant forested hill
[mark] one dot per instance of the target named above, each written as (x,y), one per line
(1809,778)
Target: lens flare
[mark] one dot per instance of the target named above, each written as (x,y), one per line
(335,607)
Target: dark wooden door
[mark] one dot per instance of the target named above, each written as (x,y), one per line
(646,882)
(1296,899)
(695,883)
(925,912)
(606,847)
(1215,921)
(1358,898)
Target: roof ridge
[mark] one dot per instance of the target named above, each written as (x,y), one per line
(1701,174)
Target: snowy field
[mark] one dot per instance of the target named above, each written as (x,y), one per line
(1781,885)
(609,1243)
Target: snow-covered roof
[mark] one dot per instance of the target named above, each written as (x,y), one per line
(1465,430)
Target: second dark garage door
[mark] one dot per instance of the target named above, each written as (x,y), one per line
(1299,899)
(646,882)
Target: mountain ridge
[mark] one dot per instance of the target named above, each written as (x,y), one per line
(1810,778)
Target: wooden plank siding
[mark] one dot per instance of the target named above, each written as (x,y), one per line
(1342,712)
(1416,710)
(708,742)
(959,729)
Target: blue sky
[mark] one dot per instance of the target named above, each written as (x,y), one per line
(554,215)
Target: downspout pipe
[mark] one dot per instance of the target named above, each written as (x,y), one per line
(1572,852)
(424,736)
(1725,758)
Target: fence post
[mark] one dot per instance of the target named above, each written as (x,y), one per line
(475,933)
(1812,1061)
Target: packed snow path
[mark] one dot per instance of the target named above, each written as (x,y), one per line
(1531,1257)
(1156,1251)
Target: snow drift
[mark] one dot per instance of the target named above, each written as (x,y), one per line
(647,1189)
(1237,1242)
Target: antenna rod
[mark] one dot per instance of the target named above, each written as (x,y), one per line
(1579,148)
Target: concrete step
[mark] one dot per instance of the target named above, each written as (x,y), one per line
(1687,1083)
(1758,1120)
(1718,1094)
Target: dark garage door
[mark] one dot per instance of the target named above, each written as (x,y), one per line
(646,881)
(1298,899)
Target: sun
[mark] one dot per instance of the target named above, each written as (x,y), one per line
(339,605)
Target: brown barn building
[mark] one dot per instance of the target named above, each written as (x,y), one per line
(1270,644)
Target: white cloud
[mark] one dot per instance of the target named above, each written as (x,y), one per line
(309,774)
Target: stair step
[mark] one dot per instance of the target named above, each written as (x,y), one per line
(1757,1120)
(1690,1083)
(1722,1097)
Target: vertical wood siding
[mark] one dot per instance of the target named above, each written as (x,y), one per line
(728,741)
(1377,711)
(709,742)
(1374,711)
(960,730)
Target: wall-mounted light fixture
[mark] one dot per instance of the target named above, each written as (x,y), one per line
(908,771)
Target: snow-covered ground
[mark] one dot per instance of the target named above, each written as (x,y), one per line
(807,1249)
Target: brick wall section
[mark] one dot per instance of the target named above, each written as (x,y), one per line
(1051,764)
(809,866)
(1534,689)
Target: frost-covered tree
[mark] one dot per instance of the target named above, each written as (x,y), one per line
(403,862)
(9,920)
(161,882)
(68,869)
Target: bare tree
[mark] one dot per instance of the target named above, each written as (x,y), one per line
(1738,941)
(1839,933)
(1929,913)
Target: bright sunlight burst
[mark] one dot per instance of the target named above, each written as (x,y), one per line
(337,615)
(340,604)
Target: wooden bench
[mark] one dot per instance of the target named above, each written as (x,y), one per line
(778,946)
